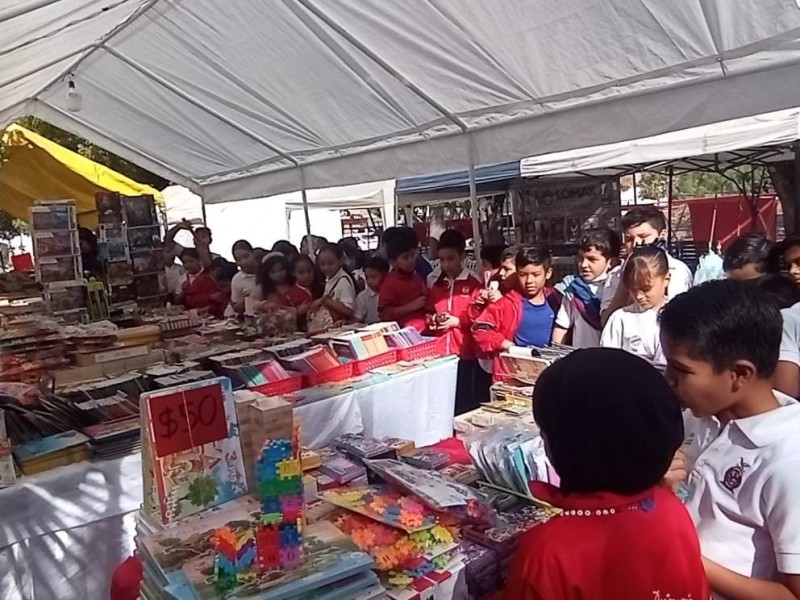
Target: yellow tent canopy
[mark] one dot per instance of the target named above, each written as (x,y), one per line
(38,169)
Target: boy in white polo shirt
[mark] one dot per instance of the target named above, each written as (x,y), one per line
(721,341)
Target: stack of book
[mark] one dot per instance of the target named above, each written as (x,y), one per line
(359,345)
(316,360)
(51,452)
(404,338)
(30,346)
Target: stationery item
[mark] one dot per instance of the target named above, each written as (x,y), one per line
(404,338)
(315,360)
(427,459)
(193,440)
(342,471)
(361,447)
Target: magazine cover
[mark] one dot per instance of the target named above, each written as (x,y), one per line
(193,480)
(49,244)
(192,537)
(49,445)
(329,556)
(109,208)
(53,216)
(140,211)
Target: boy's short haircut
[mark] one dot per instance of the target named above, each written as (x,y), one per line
(606,241)
(224,271)
(509,253)
(722,322)
(190,253)
(789,242)
(242,245)
(592,394)
(404,241)
(781,289)
(644,214)
(534,255)
(376,263)
(453,240)
(492,254)
(751,249)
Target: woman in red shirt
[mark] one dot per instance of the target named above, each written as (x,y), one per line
(611,426)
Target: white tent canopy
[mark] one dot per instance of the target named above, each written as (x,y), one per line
(765,137)
(240,99)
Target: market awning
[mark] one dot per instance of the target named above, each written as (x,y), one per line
(457,179)
(763,138)
(38,169)
(243,99)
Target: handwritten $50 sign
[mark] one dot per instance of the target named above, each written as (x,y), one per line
(187,418)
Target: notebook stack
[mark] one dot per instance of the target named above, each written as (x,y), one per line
(404,338)
(31,346)
(359,345)
(51,452)
(316,360)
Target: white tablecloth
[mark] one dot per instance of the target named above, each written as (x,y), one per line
(417,406)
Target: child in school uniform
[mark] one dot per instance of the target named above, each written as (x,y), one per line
(340,289)
(403,295)
(742,449)
(525,315)
(580,311)
(635,327)
(375,271)
(611,426)
(448,303)
(309,285)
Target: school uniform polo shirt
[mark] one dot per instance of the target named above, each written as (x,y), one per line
(744,490)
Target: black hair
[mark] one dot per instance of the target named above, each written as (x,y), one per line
(87,235)
(242,245)
(377,263)
(190,253)
(339,254)
(286,248)
(403,240)
(454,240)
(781,289)
(610,420)
(203,228)
(639,264)
(750,249)
(350,249)
(721,322)
(492,254)
(224,270)
(220,262)
(318,283)
(509,253)
(644,214)
(263,279)
(606,241)
(534,255)
(789,242)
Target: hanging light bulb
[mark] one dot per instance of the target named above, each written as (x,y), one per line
(74,99)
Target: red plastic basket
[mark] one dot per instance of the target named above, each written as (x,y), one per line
(361,367)
(278,388)
(424,350)
(340,373)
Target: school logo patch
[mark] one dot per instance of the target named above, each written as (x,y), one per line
(733,476)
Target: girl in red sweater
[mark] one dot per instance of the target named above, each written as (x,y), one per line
(611,426)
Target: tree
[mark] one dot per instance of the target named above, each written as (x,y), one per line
(652,186)
(11,227)
(202,491)
(93,152)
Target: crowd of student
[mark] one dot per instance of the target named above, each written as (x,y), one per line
(628,454)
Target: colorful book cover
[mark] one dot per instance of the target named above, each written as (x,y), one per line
(49,445)
(330,557)
(191,538)
(193,480)
(7,474)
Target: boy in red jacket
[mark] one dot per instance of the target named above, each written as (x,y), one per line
(448,303)
(200,291)
(403,295)
(523,317)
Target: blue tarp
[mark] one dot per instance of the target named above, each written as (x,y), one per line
(458,179)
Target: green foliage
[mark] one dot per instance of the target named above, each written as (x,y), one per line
(748,180)
(93,152)
(202,491)
(11,227)
(652,186)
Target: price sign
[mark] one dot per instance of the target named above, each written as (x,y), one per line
(188,419)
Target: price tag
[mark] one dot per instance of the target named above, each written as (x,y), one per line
(188,419)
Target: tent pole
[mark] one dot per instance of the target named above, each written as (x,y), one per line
(305,213)
(473,197)
(669,209)
(203,209)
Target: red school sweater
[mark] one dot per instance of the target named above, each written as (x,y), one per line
(399,288)
(454,297)
(608,547)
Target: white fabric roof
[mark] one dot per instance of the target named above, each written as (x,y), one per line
(240,99)
(724,143)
